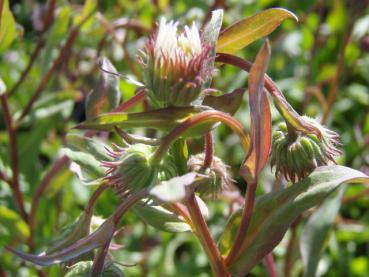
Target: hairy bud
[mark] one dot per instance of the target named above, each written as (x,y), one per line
(295,155)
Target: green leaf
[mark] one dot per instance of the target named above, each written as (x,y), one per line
(88,8)
(316,232)
(228,103)
(164,119)
(250,29)
(7,27)
(276,211)
(106,94)
(174,189)
(12,227)
(160,218)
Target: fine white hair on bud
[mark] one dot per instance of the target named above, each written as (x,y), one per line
(176,64)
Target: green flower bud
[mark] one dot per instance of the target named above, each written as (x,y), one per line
(132,168)
(218,175)
(176,67)
(83,269)
(295,155)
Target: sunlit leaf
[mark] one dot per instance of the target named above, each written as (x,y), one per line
(106,94)
(12,227)
(316,232)
(246,31)
(8,30)
(276,211)
(88,8)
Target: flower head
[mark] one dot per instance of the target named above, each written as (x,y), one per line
(176,66)
(296,155)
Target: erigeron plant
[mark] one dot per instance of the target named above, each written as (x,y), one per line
(160,176)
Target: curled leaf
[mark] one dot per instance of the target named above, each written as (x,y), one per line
(228,103)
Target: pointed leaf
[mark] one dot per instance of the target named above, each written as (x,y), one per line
(82,246)
(88,145)
(228,103)
(162,119)
(276,211)
(160,218)
(316,232)
(261,119)
(7,27)
(106,95)
(212,28)
(246,31)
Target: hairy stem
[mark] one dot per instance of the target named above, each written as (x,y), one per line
(209,150)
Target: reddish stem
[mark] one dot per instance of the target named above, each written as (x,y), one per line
(209,150)
(270,265)
(15,186)
(138,97)
(94,197)
(202,231)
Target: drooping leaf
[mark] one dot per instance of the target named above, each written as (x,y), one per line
(163,119)
(95,240)
(261,119)
(276,211)
(8,30)
(228,103)
(106,94)
(250,29)
(12,227)
(160,218)
(316,232)
(174,189)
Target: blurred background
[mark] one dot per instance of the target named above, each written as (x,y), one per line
(49,57)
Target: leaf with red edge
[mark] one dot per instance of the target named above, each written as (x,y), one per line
(261,121)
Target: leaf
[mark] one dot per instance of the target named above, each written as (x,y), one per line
(212,28)
(88,8)
(228,103)
(7,27)
(12,227)
(160,218)
(250,29)
(89,146)
(316,231)
(95,240)
(261,119)
(163,119)
(173,190)
(275,212)
(106,95)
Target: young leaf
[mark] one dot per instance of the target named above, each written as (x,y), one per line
(246,31)
(261,120)
(106,95)
(228,103)
(316,231)
(7,27)
(276,211)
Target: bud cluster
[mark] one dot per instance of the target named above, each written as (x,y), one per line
(295,155)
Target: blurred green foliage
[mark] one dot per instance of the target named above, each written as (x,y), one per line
(304,62)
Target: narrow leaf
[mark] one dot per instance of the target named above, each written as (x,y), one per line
(106,95)
(163,119)
(228,103)
(250,29)
(261,120)
(316,232)
(276,211)
(7,27)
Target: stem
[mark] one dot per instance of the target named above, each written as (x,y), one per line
(245,222)
(270,265)
(196,119)
(202,232)
(140,95)
(209,150)
(15,186)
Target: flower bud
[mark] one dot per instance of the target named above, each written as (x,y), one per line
(295,155)
(85,268)
(176,67)
(217,173)
(132,168)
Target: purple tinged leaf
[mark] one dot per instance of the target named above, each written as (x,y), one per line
(228,103)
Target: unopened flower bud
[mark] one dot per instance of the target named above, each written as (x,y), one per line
(296,155)
(85,269)
(176,66)
(132,168)
(218,175)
